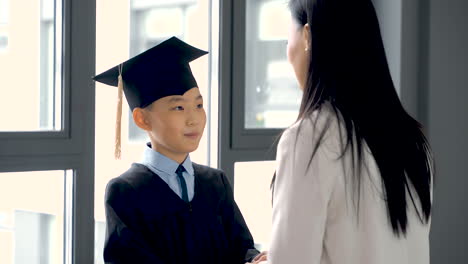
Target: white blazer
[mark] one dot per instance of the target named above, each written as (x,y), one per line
(315,220)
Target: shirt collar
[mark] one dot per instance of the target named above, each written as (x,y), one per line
(165,164)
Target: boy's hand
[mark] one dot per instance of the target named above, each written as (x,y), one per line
(260,257)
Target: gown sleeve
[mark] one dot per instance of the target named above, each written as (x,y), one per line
(302,191)
(236,227)
(124,241)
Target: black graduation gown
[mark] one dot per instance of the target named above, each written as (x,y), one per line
(148,223)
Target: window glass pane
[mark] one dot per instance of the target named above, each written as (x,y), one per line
(30,65)
(272,96)
(3,40)
(164,22)
(4,14)
(123,31)
(253,196)
(32,217)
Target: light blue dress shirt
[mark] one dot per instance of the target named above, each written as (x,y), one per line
(166,168)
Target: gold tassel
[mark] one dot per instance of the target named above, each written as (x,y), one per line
(118,124)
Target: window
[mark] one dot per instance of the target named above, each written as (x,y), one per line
(4,12)
(46,134)
(268,75)
(3,41)
(49,112)
(4,18)
(265,94)
(34,217)
(30,67)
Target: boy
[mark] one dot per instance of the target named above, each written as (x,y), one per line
(167,209)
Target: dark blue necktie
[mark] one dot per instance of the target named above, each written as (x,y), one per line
(183,185)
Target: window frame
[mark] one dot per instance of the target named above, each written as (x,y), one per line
(72,148)
(237,144)
(242,138)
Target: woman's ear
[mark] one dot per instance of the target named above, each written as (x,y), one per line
(139,116)
(306,38)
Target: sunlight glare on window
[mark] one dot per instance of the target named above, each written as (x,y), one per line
(164,22)
(274,19)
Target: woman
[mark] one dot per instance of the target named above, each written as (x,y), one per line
(354,177)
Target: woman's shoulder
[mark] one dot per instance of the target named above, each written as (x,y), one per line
(321,125)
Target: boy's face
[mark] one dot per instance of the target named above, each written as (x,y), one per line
(176,123)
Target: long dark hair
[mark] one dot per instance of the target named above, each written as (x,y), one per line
(348,69)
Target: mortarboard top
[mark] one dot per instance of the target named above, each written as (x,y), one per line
(161,71)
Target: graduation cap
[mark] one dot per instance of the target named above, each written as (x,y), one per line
(161,71)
